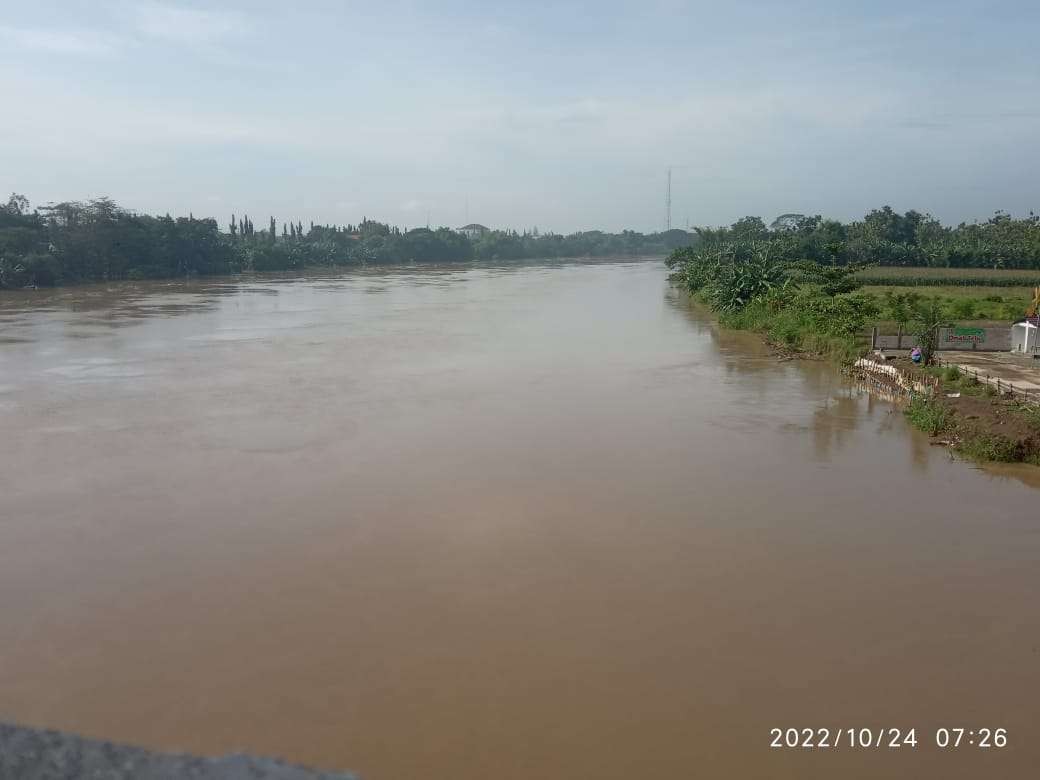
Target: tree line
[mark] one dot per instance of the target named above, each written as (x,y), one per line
(98,240)
(886,238)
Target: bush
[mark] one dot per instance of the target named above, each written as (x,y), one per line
(989,446)
(927,415)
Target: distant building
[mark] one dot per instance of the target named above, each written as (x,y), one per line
(473,230)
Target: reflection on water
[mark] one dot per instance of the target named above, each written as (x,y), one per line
(517,521)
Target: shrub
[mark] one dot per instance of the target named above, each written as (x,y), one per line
(927,415)
(989,446)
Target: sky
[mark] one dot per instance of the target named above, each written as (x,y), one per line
(560,115)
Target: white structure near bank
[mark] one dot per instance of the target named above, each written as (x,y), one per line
(1024,336)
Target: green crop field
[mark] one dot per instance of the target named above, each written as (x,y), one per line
(975,305)
(970,295)
(948,277)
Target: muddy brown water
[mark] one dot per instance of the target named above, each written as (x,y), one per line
(538,521)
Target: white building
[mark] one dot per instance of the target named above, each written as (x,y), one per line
(473,230)
(1024,336)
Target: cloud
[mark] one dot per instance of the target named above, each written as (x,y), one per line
(149,21)
(54,41)
(188,26)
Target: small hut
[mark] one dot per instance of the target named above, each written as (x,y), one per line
(1024,335)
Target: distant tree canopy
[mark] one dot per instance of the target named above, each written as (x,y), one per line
(73,242)
(885,237)
(65,243)
(510,245)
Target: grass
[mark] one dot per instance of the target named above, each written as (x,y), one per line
(956,381)
(796,330)
(932,416)
(928,416)
(988,447)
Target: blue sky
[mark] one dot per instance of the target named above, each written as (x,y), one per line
(555,114)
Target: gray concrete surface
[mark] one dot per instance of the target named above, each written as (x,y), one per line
(38,754)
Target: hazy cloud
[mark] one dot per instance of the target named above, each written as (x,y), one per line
(57,41)
(188,26)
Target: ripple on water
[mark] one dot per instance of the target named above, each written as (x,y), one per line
(97,369)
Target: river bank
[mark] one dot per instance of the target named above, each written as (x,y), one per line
(808,310)
(972,417)
(976,419)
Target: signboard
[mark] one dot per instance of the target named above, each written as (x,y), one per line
(964,335)
(987,339)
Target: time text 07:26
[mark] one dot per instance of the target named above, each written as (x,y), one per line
(946,737)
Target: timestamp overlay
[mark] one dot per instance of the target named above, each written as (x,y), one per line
(930,749)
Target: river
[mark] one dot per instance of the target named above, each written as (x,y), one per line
(540,521)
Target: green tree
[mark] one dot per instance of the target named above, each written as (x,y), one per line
(928,316)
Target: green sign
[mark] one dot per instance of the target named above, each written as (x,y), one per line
(976,335)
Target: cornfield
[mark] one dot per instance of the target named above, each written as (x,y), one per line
(948,277)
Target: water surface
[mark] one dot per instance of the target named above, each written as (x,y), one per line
(520,522)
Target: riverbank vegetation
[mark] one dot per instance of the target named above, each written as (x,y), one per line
(975,419)
(72,242)
(809,308)
(813,284)
(808,295)
(800,305)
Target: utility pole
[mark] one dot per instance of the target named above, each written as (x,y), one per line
(668,203)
